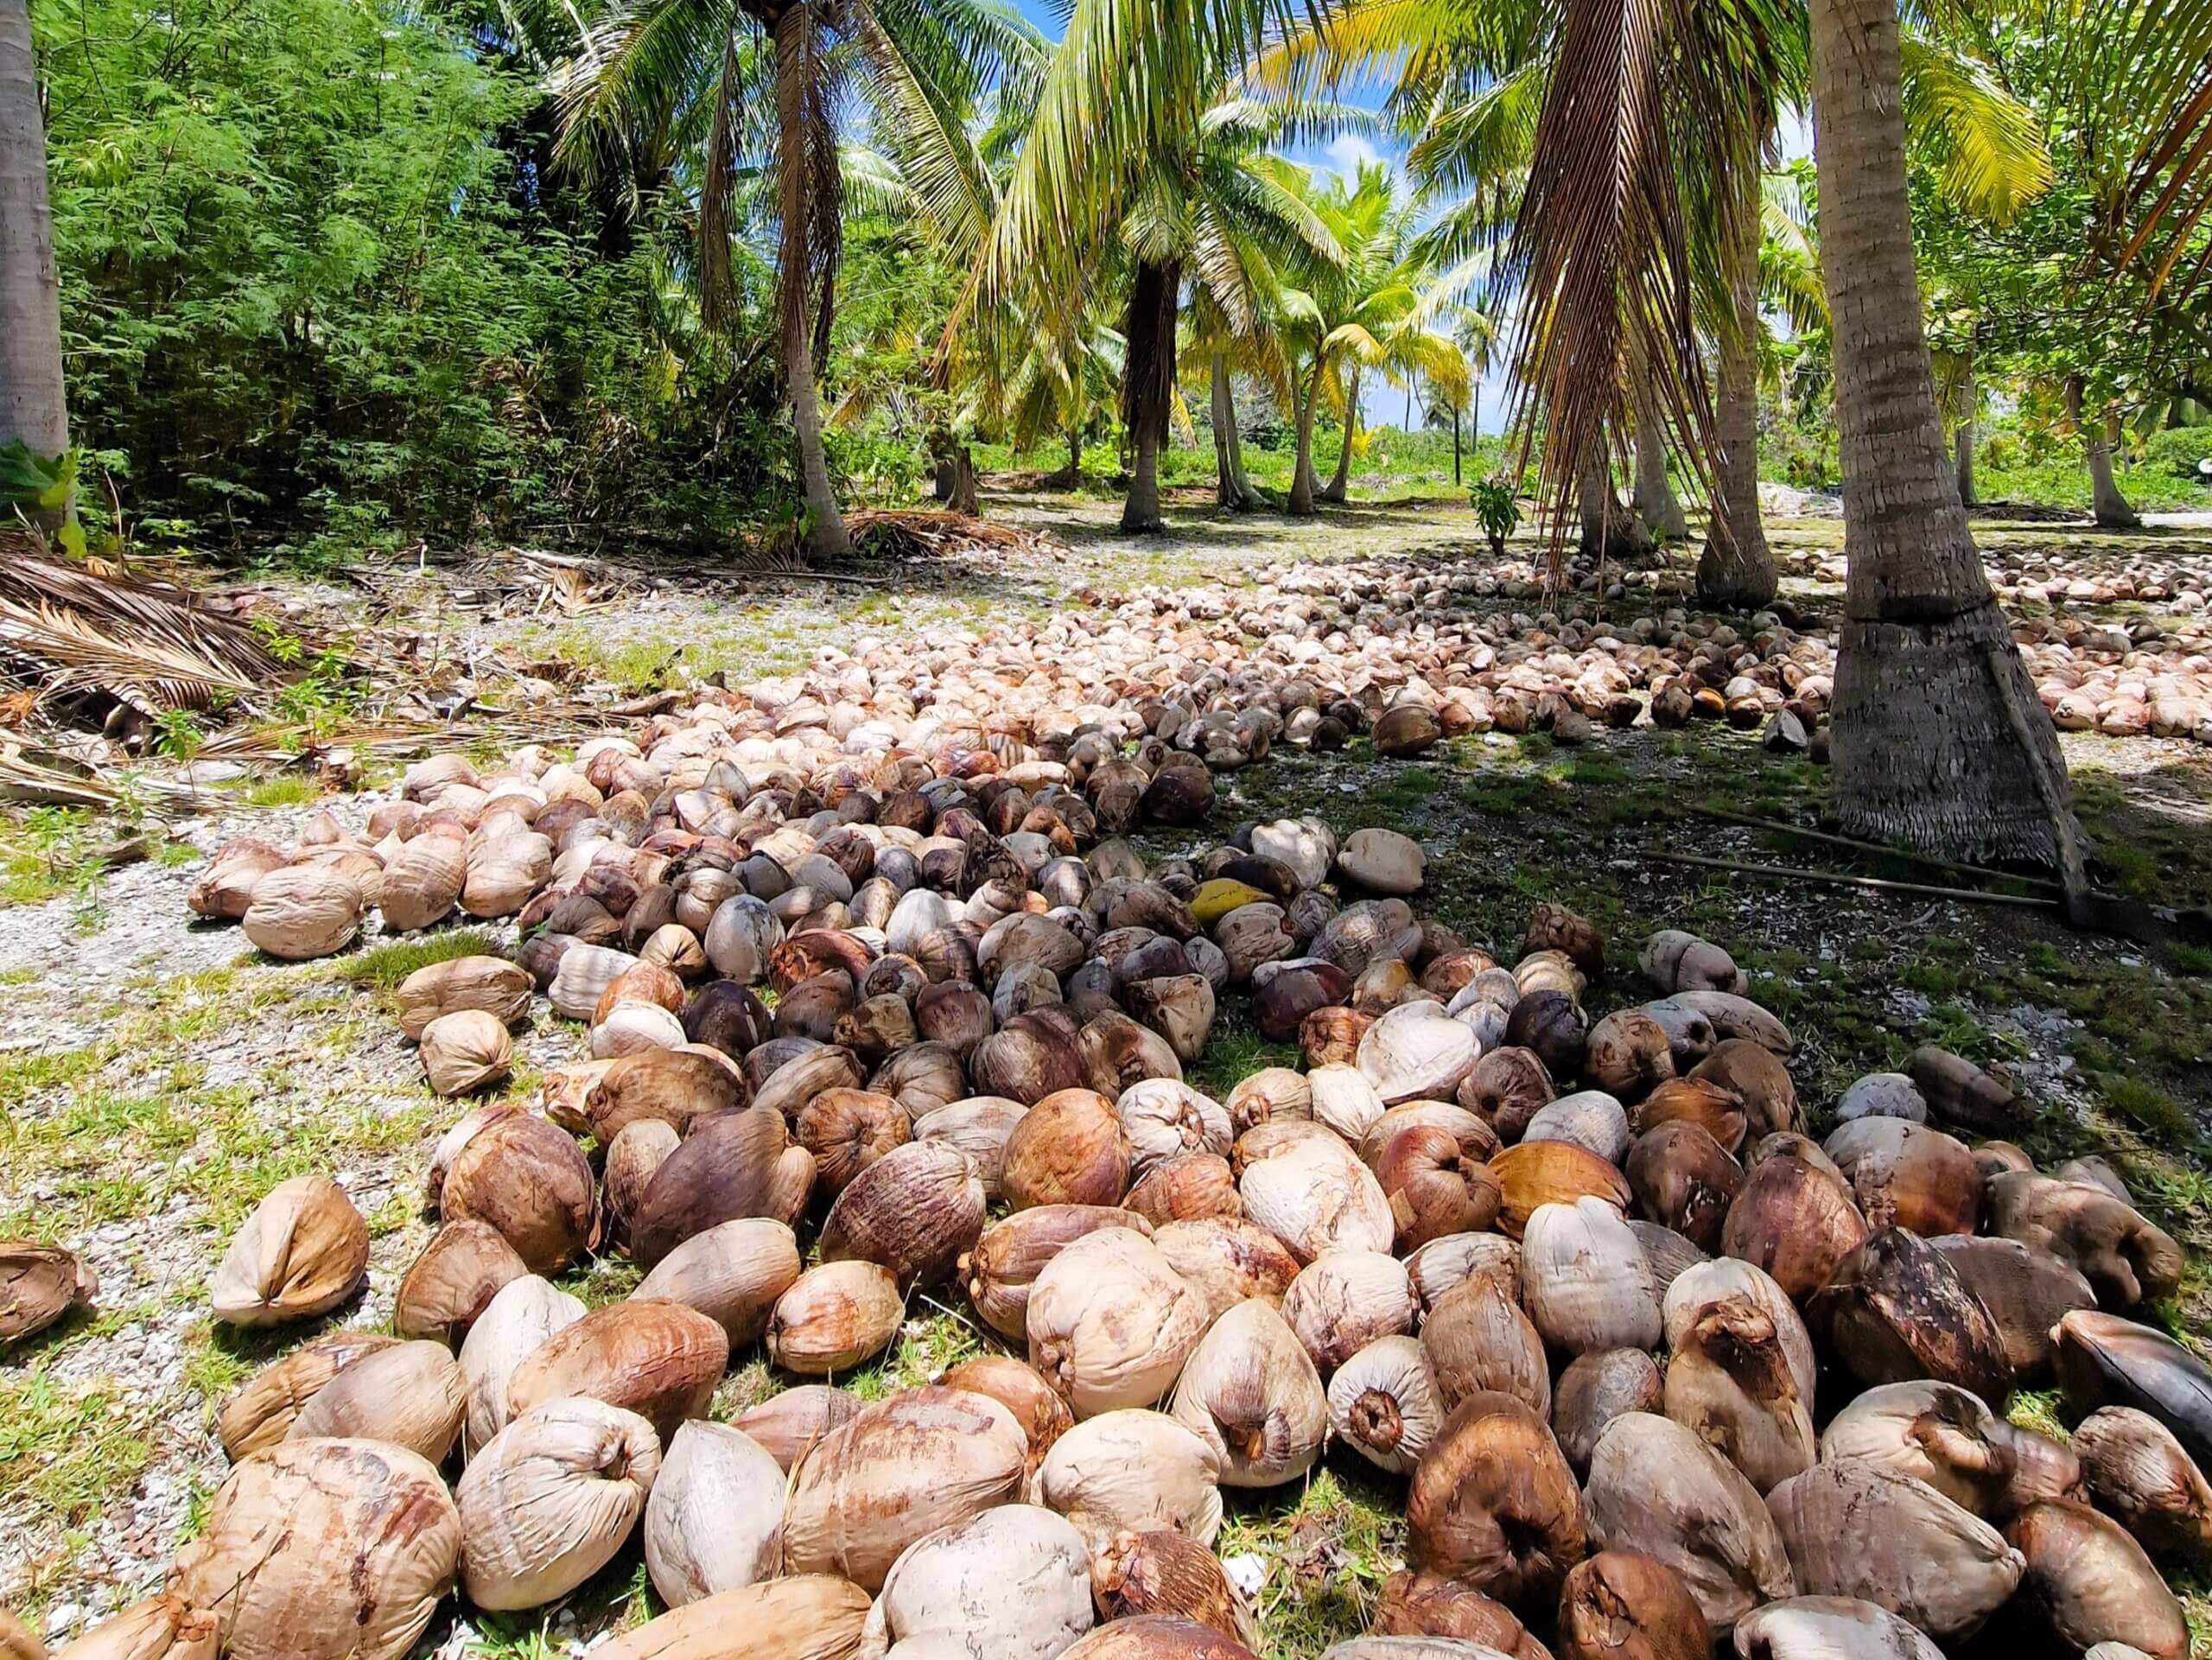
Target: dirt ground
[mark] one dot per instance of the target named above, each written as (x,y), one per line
(156,1077)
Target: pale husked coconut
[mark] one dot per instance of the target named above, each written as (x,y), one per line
(715,1521)
(547,1504)
(1013,1583)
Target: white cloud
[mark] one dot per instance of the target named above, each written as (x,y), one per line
(1346,153)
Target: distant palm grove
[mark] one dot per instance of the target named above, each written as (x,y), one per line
(325,275)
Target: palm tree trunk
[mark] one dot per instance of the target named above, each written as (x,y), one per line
(1940,741)
(1230,488)
(1301,475)
(1610,529)
(826,539)
(1147,388)
(1075,457)
(1962,440)
(1654,501)
(31,404)
(2109,508)
(1455,445)
(1735,571)
(1343,477)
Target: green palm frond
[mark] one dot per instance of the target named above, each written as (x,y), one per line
(1994,155)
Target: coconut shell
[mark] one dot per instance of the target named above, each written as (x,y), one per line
(1180,1189)
(262,1412)
(1822,1628)
(1429,1604)
(1249,1391)
(2103,1360)
(1855,1529)
(1229,1260)
(835,1316)
(458,1274)
(1494,1505)
(1906,1176)
(915,1210)
(633,1157)
(513,1324)
(1653,1487)
(809,1617)
(787,1425)
(1935,1432)
(303,1251)
(305,911)
(678,1086)
(1133,1470)
(1756,1076)
(38,1285)
(1535,1174)
(1624,1604)
(1017,1386)
(1160,1571)
(1069,1148)
(733,1274)
(323,1550)
(1896,1310)
(715,1521)
(725,1169)
(2123,1256)
(527,1179)
(659,1360)
(551,1499)
(156,1628)
(902,1468)
(1011,1253)
(1440,1265)
(1477,1339)
(1717,1111)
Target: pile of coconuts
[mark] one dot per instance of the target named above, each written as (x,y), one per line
(1657,1370)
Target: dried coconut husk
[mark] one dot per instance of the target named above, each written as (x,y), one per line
(550,1500)
(1597,1388)
(1157,1636)
(1250,1392)
(1385,1404)
(1133,1470)
(915,1210)
(1159,1571)
(1430,1604)
(262,1412)
(1069,1148)
(1180,1189)
(659,1360)
(1494,1505)
(680,1086)
(1477,1338)
(303,1251)
(634,1158)
(787,1425)
(1624,1604)
(162,1627)
(1228,1259)
(466,1051)
(498,987)
(733,1274)
(1011,1253)
(726,1168)
(1042,1413)
(410,1395)
(715,1521)
(527,1179)
(454,1280)
(1110,1322)
(323,1550)
(807,1617)
(919,1460)
(511,1328)
(39,1284)
(835,1316)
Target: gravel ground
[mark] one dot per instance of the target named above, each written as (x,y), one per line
(118,1014)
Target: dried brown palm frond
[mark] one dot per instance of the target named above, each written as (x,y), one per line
(1651,104)
(150,647)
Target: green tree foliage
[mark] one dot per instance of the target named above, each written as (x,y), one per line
(313,272)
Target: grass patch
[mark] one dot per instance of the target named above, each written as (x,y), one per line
(285,790)
(1327,1554)
(68,1447)
(2147,1107)
(386,965)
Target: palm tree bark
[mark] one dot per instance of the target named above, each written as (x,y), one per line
(1735,570)
(2107,506)
(796,67)
(1610,528)
(1301,475)
(1962,440)
(1940,743)
(1455,445)
(31,403)
(1231,489)
(1341,481)
(1654,500)
(1148,387)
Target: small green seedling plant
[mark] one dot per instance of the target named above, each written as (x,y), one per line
(1495,511)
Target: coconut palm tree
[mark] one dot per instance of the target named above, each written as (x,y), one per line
(32,409)
(927,62)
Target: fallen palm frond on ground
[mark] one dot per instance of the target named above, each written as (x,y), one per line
(46,778)
(64,629)
(923,533)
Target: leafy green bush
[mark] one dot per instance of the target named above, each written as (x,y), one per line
(2177,451)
